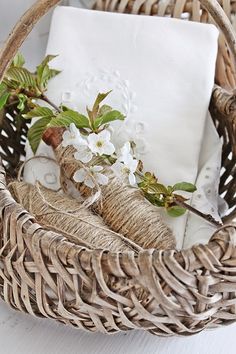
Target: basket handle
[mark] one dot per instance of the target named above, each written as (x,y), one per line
(27,22)
(21,31)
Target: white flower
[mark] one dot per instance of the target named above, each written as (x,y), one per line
(126,165)
(125,153)
(83,153)
(132,131)
(91,176)
(126,169)
(100,143)
(72,137)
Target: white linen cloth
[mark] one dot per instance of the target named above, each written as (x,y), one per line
(161,72)
(207,197)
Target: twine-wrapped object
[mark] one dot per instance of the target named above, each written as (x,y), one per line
(188,290)
(64,214)
(123,208)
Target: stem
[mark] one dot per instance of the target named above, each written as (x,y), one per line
(206,217)
(46,99)
(12,103)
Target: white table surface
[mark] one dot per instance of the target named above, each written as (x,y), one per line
(23,334)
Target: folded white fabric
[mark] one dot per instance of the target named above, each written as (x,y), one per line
(206,198)
(161,72)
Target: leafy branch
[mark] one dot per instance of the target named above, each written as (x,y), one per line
(25,89)
(96,121)
(166,197)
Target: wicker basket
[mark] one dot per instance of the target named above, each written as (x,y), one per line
(44,275)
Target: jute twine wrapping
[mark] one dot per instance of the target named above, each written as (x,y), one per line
(123,208)
(66,215)
(78,224)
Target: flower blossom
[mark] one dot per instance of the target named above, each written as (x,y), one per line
(90,176)
(72,137)
(100,143)
(132,131)
(126,165)
(83,153)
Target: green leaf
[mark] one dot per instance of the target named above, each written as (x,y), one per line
(3,99)
(100,97)
(154,200)
(184,186)
(52,73)
(170,190)
(22,99)
(47,60)
(104,109)
(19,60)
(90,118)
(64,119)
(35,133)
(10,84)
(108,117)
(150,177)
(39,112)
(3,88)
(176,211)
(64,108)
(159,188)
(47,75)
(44,64)
(22,76)
(44,73)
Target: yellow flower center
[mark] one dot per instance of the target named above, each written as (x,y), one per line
(126,170)
(99,143)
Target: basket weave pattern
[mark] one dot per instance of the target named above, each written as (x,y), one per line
(43,274)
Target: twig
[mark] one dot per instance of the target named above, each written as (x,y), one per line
(46,99)
(181,203)
(206,217)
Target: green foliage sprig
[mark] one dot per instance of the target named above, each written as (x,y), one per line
(97,119)
(27,89)
(21,85)
(163,196)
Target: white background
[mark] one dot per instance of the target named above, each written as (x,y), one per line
(24,334)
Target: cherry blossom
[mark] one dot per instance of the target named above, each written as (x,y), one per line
(83,153)
(132,131)
(126,170)
(72,137)
(90,176)
(100,143)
